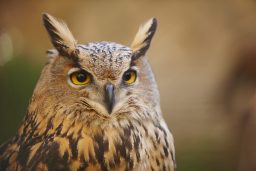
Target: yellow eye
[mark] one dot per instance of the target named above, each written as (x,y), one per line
(129,77)
(80,78)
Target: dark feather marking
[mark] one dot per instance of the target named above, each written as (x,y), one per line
(123,147)
(48,127)
(161,128)
(173,159)
(58,129)
(166,142)
(121,150)
(99,150)
(37,157)
(73,146)
(164,168)
(157,162)
(54,161)
(157,136)
(106,145)
(83,166)
(137,146)
(117,159)
(83,47)
(126,138)
(162,156)
(130,164)
(66,156)
(92,160)
(76,61)
(111,164)
(166,153)
(126,146)
(27,140)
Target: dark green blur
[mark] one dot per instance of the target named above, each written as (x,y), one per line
(18,78)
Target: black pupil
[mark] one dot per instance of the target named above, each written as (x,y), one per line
(127,75)
(81,77)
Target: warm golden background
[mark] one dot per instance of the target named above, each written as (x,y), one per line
(203,56)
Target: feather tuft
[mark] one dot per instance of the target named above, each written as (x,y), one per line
(61,37)
(143,38)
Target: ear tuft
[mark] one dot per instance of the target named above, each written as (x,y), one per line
(61,37)
(143,38)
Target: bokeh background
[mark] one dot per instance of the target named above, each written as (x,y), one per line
(203,56)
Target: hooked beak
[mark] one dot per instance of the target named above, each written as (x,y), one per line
(109,97)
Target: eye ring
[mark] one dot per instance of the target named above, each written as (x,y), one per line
(80,78)
(129,77)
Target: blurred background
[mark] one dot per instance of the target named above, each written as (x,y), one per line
(203,56)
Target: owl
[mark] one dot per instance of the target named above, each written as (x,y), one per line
(96,106)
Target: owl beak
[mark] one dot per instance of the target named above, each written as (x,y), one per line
(109,97)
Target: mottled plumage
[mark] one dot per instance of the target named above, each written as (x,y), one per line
(95,107)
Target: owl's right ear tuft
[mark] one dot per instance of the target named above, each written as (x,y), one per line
(61,37)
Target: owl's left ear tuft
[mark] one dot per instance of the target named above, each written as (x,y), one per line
(143,38)
(61,37)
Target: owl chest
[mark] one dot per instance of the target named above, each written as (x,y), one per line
(110,149)
(127,148)
(132,147)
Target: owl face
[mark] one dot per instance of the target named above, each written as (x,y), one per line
(106,73)
(103,76)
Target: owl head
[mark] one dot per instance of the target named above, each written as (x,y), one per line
(108,79)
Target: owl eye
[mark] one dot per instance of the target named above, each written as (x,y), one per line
(80,78)
(129,77)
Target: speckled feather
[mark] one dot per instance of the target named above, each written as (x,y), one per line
(102,57)
(64,129)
